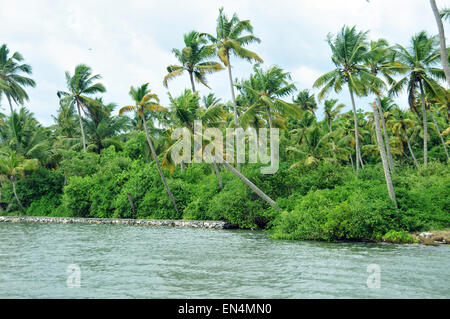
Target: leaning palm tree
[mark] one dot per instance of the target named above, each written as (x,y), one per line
(381,147)
(145,100)
(194,60)
(348,48)
(381,62)
(12,80)
(419,63)
(79,86)
(13,166)
(443,46)
(229,39)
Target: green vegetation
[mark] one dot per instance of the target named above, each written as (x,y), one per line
(355,175)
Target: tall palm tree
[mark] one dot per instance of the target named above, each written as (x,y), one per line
(13,166)
(80,86)
(418,62)
(306,101)
(380,60)
(381,147)
(348,48)
(193,59)
(12,80)
(229,39)
(443,46)
(144,99)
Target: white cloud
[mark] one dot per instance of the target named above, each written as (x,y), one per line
(131,41)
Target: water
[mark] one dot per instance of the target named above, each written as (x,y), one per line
(119,261)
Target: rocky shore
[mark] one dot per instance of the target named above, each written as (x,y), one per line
(141,222)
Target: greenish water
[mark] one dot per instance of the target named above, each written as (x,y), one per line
(118,261)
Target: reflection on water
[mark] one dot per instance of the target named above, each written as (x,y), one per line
(118,261)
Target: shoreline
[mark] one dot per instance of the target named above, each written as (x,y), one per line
(205,224)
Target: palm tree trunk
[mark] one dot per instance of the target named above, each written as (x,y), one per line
(216,171)
(12,112)
(439,133)
(236,119)
(13,181)
(381,147)
(411,151)
(272,151)
(386,136)
(351,161)
(191,76)
(425,126)
(161,174)
(247,182)
(81,126)
(130,199)
(357,146)
(332,141)
(442,41)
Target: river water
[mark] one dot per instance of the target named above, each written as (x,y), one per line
(120,261)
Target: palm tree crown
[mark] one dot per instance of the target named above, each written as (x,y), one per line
(193,59)
(12,82)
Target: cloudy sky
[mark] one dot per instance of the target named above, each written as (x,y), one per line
(130,42)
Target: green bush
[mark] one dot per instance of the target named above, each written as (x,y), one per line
(44,206)
(76,199)
(399,237)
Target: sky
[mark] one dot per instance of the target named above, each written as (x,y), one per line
(130,42)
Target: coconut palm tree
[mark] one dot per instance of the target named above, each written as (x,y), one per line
(193,59)
(349,48)
(268,88)
(432,108)
(418,62)
(186,109)
(102,127)
(13,166)
(229,39)
(443,46)
(400,123)
(331,111)
(380,60)
(144,99)
(306,101)
(80,86)
(381,147)
(23,134)
(12,78)
(444,14)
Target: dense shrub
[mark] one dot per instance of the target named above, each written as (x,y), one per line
(360,209)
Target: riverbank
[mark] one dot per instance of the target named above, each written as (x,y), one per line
(207,224)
